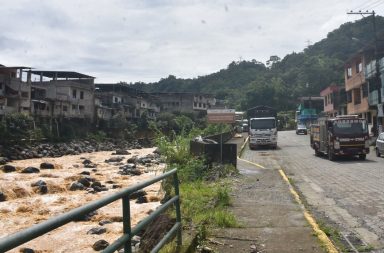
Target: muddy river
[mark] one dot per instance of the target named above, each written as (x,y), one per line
(26,205)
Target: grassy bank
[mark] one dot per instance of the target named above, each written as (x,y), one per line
(204,198)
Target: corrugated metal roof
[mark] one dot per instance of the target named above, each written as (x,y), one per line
(14,67)
(59,74)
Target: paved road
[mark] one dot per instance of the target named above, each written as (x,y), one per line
(347,194)
(272,221)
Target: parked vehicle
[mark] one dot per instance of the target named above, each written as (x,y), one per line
(340,136)
(301,129)
(245,125)
(239,126)
(379,148)
(262,127)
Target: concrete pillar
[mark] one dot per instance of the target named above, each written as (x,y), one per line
(20,74)
(29,77)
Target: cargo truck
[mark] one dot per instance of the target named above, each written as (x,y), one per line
(341,136)
(262,126)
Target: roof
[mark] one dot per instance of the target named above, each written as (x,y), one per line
(14,67)
(330,89)
(116,87)
(59,74)
(310,98)
(181,93)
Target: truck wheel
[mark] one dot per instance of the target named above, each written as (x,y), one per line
(362,157)
(378,152)
(331,156)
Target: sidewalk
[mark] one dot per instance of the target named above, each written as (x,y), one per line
(271,219)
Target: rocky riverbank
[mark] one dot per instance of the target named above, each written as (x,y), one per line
(40,150)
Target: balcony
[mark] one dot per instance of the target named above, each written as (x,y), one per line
(370,68)
(373,98)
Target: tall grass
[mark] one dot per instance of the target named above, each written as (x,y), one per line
(205,197)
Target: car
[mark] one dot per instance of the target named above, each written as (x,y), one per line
(245,127)
(379,148)
(301,129)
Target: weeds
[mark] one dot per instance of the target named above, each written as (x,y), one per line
(204,196)
(333,234)
(367,248)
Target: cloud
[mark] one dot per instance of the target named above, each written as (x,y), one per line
(145,40)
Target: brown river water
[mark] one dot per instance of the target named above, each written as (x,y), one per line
(25,207)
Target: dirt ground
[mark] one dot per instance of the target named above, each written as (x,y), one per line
(25,206)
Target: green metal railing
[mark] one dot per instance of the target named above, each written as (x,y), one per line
(19,238)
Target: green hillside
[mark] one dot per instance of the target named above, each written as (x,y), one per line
(244,84)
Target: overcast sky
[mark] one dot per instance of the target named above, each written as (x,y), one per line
(145,40)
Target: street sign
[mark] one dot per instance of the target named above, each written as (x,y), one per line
(221,116)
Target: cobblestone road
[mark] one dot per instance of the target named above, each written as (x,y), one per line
(347,194)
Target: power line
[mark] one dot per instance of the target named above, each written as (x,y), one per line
(371,5)
(361,5)
(378,4)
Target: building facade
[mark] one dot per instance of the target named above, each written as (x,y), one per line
(59,94)
(185,102)
(376,89)
(14,91)
(308,110)
(72,95)
(113,100)
(359,94)
(334,97)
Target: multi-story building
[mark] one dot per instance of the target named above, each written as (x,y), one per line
(72,95)
(375,88)
(121,100)
(334,100)
(308,110)
(357,88)
(184,101)
(14,91)
(62,94)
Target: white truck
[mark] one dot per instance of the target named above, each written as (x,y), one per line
(262,127)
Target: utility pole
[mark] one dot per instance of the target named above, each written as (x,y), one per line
(310,103)
(377,65)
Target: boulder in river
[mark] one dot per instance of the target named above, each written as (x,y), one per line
(30,170)
(47,166)
(8,168)
(76,186)
(100,245)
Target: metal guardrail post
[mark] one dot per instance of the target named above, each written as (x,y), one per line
(127,224)
(177,206)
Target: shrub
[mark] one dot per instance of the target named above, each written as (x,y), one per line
(98,136)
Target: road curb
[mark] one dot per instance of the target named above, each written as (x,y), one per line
(319,233)
(242,147)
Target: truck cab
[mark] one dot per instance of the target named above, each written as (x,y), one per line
(262,132)
(262,126)
(341,136)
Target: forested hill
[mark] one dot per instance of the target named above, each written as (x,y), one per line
(245,84)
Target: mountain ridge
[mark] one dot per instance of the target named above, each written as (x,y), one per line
(244,84)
